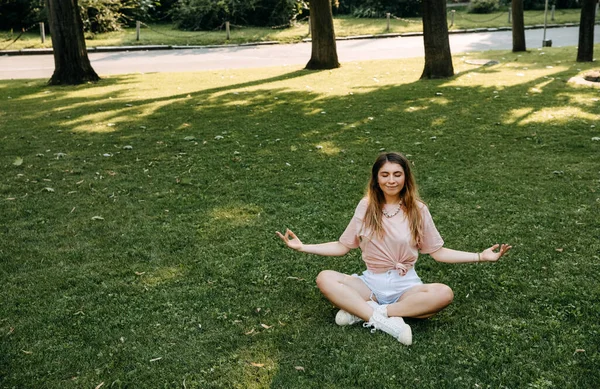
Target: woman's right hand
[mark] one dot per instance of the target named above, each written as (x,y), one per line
(290,239)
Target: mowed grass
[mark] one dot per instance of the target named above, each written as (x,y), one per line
(345,26)
(138,220)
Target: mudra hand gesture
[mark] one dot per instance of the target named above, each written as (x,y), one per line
(489,255)
(293,243)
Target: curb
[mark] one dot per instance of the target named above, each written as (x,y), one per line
(113,49)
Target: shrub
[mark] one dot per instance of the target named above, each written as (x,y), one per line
(209,14)
(109,15)
(378,8)
(17,14)
(483,6)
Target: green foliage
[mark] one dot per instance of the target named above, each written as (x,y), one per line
(209,14)
(378,8)
(17,14)
(483,6)
(541,4)
(109,15)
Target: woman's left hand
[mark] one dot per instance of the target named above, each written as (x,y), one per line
(489,255)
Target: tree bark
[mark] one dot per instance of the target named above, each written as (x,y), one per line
(585,49)
(324,51)
(438,58)
(518,26)
(71,63)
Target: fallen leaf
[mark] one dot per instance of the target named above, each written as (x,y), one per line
(156,359)
(18,161)
(265,326)
(560,250)
(140,273)
(99,385)
(48,189)
(11,330)
(27,352)
(79,182)
(257,364)
(579,350)
(299,368)
(249,332)
(97,218)
(128,147)
(190,138)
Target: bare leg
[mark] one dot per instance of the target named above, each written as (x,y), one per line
(346,292)
(422,301)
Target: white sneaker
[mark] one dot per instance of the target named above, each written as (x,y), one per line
(343,318)
(394,326)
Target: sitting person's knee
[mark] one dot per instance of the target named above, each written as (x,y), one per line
(445,294)
(325,279)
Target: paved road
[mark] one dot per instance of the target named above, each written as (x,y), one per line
(42,66)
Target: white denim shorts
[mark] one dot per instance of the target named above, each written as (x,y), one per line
(389,286)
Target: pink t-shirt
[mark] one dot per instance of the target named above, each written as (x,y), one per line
(395,250)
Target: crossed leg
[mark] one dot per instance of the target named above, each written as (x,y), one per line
(346,292)
(422,301)
(351,294)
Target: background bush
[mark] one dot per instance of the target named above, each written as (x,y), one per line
(483,6)
(209,14)
(17,14)
(378,8)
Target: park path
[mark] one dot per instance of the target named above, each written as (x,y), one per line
(236,57)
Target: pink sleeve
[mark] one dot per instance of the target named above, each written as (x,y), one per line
(351,236)
(431,240)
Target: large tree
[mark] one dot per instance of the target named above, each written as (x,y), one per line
(518,26)
(324,51)
(71,63)
(585,49)
(438,59)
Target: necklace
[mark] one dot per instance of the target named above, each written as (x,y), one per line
(391,214)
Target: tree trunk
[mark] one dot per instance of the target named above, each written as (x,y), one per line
(324,51)
(518,26)
(71,63)
(585,49)
(438,59)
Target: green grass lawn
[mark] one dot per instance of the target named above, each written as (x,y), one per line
(138,220)
(167,34)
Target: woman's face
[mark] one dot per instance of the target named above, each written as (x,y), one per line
(391,180)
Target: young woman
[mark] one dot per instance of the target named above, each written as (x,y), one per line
(391,225)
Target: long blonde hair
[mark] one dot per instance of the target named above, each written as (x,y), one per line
(409,197)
